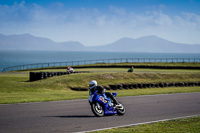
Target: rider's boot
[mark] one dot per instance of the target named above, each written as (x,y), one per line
(117,105)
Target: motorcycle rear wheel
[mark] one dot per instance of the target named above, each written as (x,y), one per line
(97,109)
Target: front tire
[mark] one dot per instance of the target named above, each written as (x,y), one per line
(121,110)
(97,109)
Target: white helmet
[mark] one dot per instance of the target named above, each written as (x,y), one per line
(92,84)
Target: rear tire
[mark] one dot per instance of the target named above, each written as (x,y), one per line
(97,109)
(121,111)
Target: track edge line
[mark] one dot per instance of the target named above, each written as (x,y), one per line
(139,123)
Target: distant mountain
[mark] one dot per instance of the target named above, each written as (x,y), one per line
(29,42)
(148,44)
(143,44)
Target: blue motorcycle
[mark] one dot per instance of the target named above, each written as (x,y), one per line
(102,105)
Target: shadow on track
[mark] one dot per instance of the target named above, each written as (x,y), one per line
(73,116)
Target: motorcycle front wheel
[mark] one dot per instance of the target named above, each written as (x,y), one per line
(97,109)
(121,110)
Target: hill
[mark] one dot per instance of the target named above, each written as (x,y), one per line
(148,44)
(29,42)
(143,44)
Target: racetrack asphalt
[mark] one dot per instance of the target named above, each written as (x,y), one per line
(76,115)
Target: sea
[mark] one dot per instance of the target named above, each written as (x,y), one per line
(14,58)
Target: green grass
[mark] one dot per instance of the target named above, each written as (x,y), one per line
(154,91)
(114,70)
(16,88)
(40,96)
(194,64)
(138,70)
(184,125)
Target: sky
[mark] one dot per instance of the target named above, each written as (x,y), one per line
(99,22)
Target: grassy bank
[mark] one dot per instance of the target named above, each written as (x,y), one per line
(122,70)
(16,88)
(171,64)
(185,125)
(194,64)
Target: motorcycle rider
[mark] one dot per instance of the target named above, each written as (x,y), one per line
(94,87)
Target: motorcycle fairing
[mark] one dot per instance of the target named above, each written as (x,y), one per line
(108,106)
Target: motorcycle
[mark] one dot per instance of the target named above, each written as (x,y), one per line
(102,105)
(70,70)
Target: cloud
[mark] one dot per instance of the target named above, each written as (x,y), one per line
(189,20)
(117,10)
(93,26)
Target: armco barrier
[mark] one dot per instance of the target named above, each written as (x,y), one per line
(106,61)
